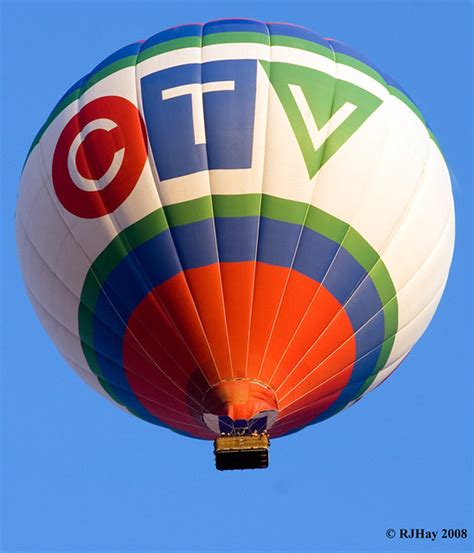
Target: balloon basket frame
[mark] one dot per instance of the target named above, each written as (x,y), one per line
(240,452)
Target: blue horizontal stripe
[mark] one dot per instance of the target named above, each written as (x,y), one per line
(277,242)
(236,238)
(235,25)
(195,245)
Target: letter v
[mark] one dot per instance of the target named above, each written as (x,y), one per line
(319,136)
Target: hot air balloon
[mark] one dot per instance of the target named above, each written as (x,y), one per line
(235,230)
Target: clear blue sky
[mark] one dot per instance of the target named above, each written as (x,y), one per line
(80,475)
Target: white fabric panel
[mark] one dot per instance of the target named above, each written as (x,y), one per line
(44,284)
(167,60)
(398,167)
(72,265)
(38,277)
(423,223)
(408,335)
(31,184)
(238,51)
(430,276)
(45,227)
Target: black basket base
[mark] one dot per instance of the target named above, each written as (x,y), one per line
(247,459)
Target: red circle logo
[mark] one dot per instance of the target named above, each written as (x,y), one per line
(99,157)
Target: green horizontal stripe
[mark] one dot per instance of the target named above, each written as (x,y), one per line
(189,212)
(235,37)
(287,211)
(240,205)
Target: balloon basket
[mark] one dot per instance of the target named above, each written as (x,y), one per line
(240,452)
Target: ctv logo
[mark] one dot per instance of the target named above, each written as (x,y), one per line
(198,117)
(201,116)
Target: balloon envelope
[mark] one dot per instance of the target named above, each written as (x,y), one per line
(235,224)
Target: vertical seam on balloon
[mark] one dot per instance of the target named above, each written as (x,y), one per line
(260,197)
(154,172)
(70,331)
(308,206)
(141,273)
(213,217)
(398,360)
(441,236)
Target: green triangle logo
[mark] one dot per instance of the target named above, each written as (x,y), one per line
(323,112)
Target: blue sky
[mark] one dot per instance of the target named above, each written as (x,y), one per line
(80,475)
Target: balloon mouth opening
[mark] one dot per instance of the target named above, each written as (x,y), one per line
(240,405)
